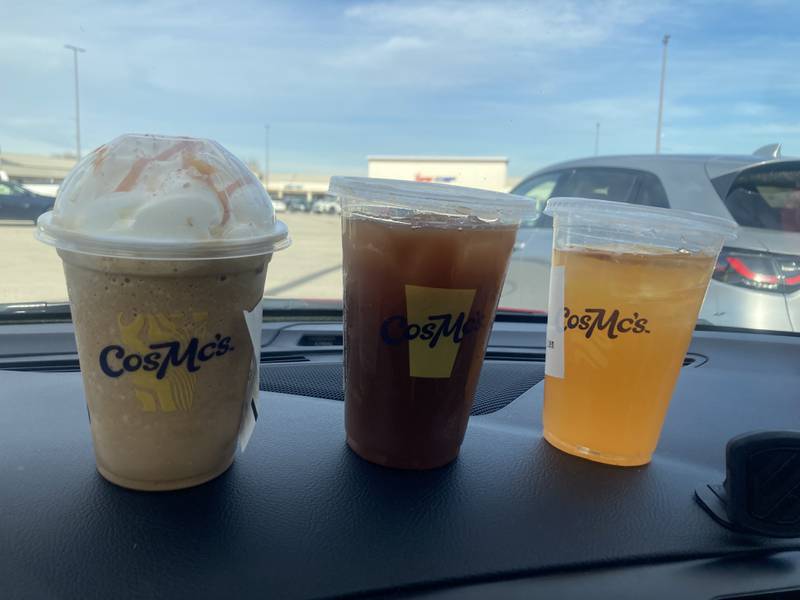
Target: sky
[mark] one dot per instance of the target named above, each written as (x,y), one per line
(338,81)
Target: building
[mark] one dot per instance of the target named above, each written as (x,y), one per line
(40,174)
(43,174)
(485,172)
(297,187)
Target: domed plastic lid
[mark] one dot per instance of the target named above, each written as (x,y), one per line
(158,197)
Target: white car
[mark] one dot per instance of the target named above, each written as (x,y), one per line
(756,283)
(328,206)
(279,206)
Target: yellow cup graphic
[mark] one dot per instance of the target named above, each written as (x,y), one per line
(437,319)
(176,390)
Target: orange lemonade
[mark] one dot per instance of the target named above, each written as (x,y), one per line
(626,324)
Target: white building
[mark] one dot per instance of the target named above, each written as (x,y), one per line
(302,187)
(40,174)
(486,172)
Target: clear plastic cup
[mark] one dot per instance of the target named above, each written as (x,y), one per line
(165,244)
(626,286)
(424,265)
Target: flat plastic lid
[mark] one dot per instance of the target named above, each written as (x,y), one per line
(437,198)
(159,197)
(622,214)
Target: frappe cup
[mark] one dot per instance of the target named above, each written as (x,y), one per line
(165,244)
(626,286)
(423,266)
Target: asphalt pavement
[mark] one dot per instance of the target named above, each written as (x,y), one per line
(311,268)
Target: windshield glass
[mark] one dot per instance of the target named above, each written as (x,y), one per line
(9,188)
(767,198)
(623,101)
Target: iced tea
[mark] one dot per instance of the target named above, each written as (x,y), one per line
(419,300)
(627,322)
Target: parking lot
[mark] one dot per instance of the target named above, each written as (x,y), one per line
(309,268)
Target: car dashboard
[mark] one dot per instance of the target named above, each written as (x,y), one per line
(300,516)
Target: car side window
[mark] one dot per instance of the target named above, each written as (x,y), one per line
(539,188)
(5,190)
(600,183)
(651,192)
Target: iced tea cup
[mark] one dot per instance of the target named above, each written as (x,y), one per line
(626,286)
(424,265)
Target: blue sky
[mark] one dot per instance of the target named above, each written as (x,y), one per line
(338,81)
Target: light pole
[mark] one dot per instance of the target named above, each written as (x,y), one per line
(75,51)
(596,137)
(665,41)
(266,155)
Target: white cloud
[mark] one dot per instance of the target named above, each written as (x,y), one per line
(531,24)
(468,42)
(380,54)
(734,138)
(751,109)
(404,42)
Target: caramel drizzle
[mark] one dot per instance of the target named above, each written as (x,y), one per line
(99,156)
(188,160)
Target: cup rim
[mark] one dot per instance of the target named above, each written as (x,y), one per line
(133,248)
(594,211)
(432,197)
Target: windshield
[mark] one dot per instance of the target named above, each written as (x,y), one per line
(9,188)
(620,101)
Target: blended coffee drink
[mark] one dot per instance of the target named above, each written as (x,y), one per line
(165,244)
(424,265)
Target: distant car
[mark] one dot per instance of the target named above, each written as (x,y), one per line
(279,205)
(17,203)
(329,206)
(756,282)
(296,202)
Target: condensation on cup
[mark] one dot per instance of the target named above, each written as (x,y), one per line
(165,243)
(626,286)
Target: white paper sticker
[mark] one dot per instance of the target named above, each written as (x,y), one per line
(554,350)
(254,320)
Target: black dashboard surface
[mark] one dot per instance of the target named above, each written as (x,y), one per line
(299,515)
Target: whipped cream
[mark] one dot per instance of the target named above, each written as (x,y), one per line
(156,188)
(157,197)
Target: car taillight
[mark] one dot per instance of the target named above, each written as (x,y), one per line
(758,270)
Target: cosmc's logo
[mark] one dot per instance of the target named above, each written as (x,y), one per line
(600,319)
(436,322)
(397,328)
(158,356)
(115,360)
